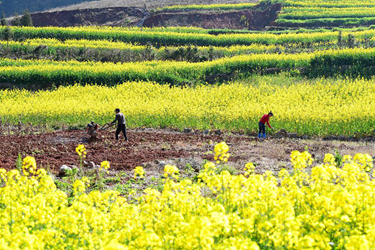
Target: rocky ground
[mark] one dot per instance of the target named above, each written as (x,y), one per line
(153,148)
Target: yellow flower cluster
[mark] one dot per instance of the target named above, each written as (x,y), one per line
(54,44)
(81,150)
(221,152)
(172,171)
(180,36)
(175,72)
(249,168)
(310,13)
(328,207)
(323,107)
(29,166)
(329,159)
(104,166)
(73,43)
(329,11)
(139,172)
(330,3)
(301,160)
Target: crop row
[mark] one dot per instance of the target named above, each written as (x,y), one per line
(329,4)
(106,51)
(319,107)
(327,13)
(314,13)
(158,38)
(350,62)
(290,31)
(331,22)
(46,72)
(54,46)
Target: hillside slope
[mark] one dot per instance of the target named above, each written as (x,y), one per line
(143,3)
(19,6)
(256,18)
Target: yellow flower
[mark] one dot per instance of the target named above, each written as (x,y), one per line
(357,242)
(81,150)
(172,171)
(301,160)
(113,245)
(331,207)
(221,152)
(139,172)
(104,166)
(78,187)
(329,159)
(249,168)
(29,165)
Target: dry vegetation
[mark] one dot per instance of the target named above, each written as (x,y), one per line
(141,3)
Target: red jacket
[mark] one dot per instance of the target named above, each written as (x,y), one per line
(265,119)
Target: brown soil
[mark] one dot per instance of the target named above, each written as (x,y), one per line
(150,4)
(250,19)
(118,16)
(149,147)
(256,18)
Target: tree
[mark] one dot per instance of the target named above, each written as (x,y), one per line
(26,19)
(16,20)
(3,21)
(339,39)
(351,41)
(7,34)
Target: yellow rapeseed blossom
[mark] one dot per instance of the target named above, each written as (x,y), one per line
(104,166)
(329,159)
(139,172)
(327,207)
(324,107)
(301,160)
(221,152)
(81,150)
(172,171)
(29,165)
(181,35)
(249,168)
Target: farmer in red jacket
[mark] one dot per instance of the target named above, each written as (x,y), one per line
(262,124)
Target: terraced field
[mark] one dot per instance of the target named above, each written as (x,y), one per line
(316,14)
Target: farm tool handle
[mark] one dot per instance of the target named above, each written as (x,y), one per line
(105,126)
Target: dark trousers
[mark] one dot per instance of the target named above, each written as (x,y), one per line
(121,127)
(262,129)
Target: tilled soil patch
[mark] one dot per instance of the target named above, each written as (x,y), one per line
(148,147)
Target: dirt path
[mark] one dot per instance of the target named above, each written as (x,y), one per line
(153,148)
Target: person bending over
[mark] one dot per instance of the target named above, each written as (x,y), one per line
(262,124)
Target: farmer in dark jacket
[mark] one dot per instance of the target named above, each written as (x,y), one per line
(262,124)
(121,124)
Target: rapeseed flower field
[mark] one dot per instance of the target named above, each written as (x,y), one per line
(323,107)
(329,207)
(177,36)
(320,63)
(327,13)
